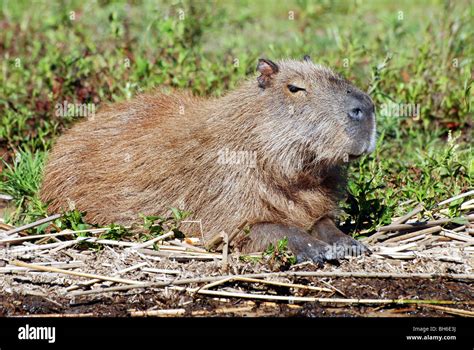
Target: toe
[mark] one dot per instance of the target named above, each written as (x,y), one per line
(310,249)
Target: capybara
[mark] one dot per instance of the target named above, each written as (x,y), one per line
(272,153)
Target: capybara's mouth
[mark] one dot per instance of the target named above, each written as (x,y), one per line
(355,156)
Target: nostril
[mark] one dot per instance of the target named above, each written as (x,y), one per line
(356,113)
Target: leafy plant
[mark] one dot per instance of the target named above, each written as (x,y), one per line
(279,256)
(116,232)
(158,225)
(73,220)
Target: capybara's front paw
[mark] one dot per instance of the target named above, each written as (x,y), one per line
(307,248)
(347,246)
(341,244)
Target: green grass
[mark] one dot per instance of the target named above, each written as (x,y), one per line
(101,52)
(22,180)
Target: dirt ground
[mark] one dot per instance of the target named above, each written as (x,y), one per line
(26,292)
(119,305)
(38,290)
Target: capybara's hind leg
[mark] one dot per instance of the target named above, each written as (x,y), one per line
(341,244)
(303,245)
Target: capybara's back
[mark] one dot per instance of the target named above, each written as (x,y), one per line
(120,162)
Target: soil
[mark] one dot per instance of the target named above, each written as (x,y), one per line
(119,305)
(37,293)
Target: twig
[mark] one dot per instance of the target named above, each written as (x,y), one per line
(34,247)
(408,201)
(73,273)
(334,288)
(120,288)
(459,196)
(406,217)
(59,265)
(108,242)
(247,295)
(236,232)
(450,310)
(468,205)
(46,239)
(173,248)
(217,283)
(151,242)
(281,284)
(27,238)
(457,236)
(65,245)
(90,314)
(187,246)
(225,252)
(159,313)
(180,254)
(222,310)
(179,312)
(425,231)
(400,220)
(458,229)
(92,230)
(322,300)
(33,224)
(62,233)
(209,279)
(419,238)
(97,230)
(164,271)
(5,227)
(5,197)
(71,242)
(397,256)
(214,242)
(118,273)
(413,225)
(217,239)
(396,249)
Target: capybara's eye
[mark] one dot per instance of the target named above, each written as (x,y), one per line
(294,88)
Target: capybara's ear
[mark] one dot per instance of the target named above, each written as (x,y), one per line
(306,58)
(267,69)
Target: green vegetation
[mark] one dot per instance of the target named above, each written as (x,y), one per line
(21,179)
(158,225)
(152,226)
(279,256)
(404,53)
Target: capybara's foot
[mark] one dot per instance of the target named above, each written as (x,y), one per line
(301,243)
(348,246)
(341,244)
(307,248)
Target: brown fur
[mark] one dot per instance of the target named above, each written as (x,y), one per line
(162,150)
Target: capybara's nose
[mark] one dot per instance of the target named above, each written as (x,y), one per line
(356,114)
(360,107)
